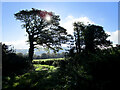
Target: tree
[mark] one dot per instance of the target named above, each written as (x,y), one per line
(43,29)
(90,36)
(95,37)
(20,54)
(78,29)
(44,56)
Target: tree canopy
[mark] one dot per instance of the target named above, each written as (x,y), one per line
(89,37)
(43,29)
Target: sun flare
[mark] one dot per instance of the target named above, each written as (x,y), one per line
(48,18)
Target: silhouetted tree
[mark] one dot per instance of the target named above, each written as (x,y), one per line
(95,37)
(44,56)
(20,54)
(90,36)
(78,29)
(43,29)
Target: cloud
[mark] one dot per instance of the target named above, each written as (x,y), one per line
(113,36)
(19,44)
(69,20)
(68,24)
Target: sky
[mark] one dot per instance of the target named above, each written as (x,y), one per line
(99,13)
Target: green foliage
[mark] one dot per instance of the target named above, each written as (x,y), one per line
(40,79)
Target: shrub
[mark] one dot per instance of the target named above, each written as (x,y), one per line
(12,63)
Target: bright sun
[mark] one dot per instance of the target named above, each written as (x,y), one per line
(48,18)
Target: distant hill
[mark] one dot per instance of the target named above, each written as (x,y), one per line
(24,51)
(37,52)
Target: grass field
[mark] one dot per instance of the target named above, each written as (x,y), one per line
(51,59)
(39,67)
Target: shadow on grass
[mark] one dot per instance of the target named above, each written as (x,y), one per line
(34,80)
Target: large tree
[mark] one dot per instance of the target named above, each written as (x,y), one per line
(90,36)
(43,29)
(78,30)
(95,37)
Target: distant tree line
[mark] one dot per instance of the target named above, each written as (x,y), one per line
(44,55)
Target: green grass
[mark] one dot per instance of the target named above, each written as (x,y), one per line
(43,78)
(51,59)
(39,67)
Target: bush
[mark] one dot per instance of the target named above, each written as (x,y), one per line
(12,63)
(105,69)
(95,71)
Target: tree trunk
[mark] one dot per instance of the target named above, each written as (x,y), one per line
(76,44)
(78,41)
(31,49)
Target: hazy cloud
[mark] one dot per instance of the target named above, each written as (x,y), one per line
(69,20)
(20,44)
(113,36)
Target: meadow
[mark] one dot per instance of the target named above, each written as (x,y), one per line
(52,61)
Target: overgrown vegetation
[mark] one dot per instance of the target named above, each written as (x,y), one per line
(97,71)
